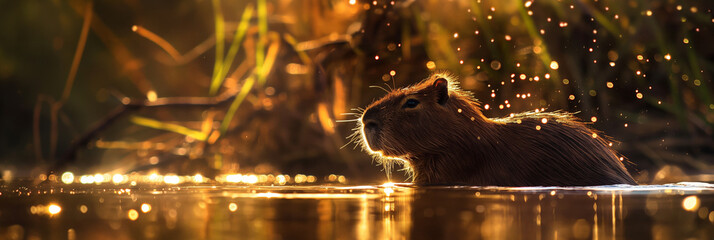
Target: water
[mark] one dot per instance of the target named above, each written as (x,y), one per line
(401,211)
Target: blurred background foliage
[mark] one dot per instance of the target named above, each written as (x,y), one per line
(215,86)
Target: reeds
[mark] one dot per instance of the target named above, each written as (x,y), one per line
(223,63)
(624,63)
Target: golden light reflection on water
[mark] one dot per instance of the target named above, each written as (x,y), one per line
(145,207)
(54,209)
(133,214)
(690,203)
(67,177)
(118,178)
(173,179)
(389,210)
(388,188)
(232,207)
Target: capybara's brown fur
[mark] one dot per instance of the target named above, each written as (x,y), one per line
(439,132)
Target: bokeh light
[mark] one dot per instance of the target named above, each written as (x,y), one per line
(54,209)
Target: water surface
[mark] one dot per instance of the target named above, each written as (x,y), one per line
(390,211)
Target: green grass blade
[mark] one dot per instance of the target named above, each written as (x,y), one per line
(269,58)
(155,124)
(220,42)
(245,89)
(262,39)
(293,43)
(233,50)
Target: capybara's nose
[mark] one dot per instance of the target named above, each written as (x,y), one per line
(370,128)
(370,125)
(369,120)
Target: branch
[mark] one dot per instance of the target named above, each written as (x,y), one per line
(128,106)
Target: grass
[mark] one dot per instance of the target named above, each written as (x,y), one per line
(56,106)
(244,90)
(420,32)
(219,23)
(221,65)
(262,39)
(248,85)
(171,127)
(158,40)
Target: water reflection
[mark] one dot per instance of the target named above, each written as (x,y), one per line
(389,211)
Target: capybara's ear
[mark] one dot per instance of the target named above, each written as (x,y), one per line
(442,90)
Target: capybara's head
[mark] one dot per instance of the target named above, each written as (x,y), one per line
(423,119)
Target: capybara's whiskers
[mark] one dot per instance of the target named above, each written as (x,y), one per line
(383,89)
(347,120)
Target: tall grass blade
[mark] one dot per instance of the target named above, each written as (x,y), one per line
(233,50)
(262,39)
(220,42)
(156,124)
(245,89)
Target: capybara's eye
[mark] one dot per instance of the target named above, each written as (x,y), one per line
(411,103)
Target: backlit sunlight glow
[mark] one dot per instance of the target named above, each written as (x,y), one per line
(198,178)
(99,178)
(172,179)
(67,177)
(269,195)
(155,177)
(132,214)
(232,207)
(86,179)
(145,207)
(690,203)
(54,209)
(118,178)
(386,161)
(233,178)
(388,188)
